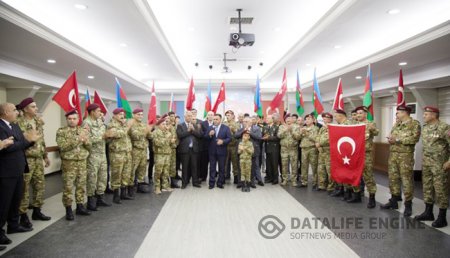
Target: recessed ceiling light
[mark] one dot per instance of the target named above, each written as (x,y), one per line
(402,63)
(81,6)
(191,29)
(123,45)
(337,46)
(277,29)
(91,77)
(145,64)
(308,65)
(262,52)
(358,77)
(51,61)
(393,11)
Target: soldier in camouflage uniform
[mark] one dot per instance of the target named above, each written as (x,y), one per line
(74,144)
(162,142)
(323,146)
(289,135)
(308,135)
(404,136)
(96,163)
(435,139)
(119,155)
(245,150)
(36,157)
(139,134)
(371,132)
(232,155)
(173,173)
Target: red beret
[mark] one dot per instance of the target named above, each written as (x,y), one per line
(327,115)
(404,108)
(431,109)
(92,107)
(24,103)
(363,108)
(137,110)
(71,112)
(340,111)
(160,121)
(164,116)
(118,110)
(287,115)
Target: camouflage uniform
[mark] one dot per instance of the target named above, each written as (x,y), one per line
(232,153)
(119,155)
(163,150)
(73,163)
(245,160)
(96,162)
(323,169)
(289,143)
(139,140)
(173,154)
(309,153)
(435,154)
(401,157)
(35,159)
(371,131)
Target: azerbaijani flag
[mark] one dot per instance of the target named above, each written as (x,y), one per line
(207,101)
(316,98)
(299,98)
(87,102)
(122,100)
(257,99)
(368,94)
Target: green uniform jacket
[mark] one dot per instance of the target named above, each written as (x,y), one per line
(70,146)
(97,130)
(308,138)
(38,149)
(407,134)
(139,136)
(247,153)
(435,139)
(161,141)
(289,139)
(120,141)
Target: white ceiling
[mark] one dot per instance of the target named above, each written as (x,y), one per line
(164,38)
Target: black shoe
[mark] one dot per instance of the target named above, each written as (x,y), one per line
(18,229)
(197,185)
(25,221)
(441,220)
(314,188)
(177,177)
(408,209)
(274,182)
(337,193)
(347,195)
(81,210)
(69,213)
(92,203)
(109,191)
(211,187)
(371,204)
(173,184)
(260,183)
(267,180)
(4,240)
(183,186)
(302,186)
(356,198)
(427,215)
(38,215)
(2,247)
(101,201)
(150,181)
(235,180)
(116,198)
(220,186)
(392,204)
(124,194)
(251,184)
(248,185)
(142,188)
(131,192)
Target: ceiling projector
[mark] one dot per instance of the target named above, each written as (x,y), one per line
(240,39)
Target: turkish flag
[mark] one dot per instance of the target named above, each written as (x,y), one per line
(338,99)
(220,97)
(280,94)
(99,102)
(151,119)
(347,153)
(401,91)
(191,96)
(67,96)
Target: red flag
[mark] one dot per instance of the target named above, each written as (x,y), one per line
(338,99)
(220,97)
(151,119)
(401,91)
(191,95)
(99,102)
(279,96)
(67,96)
(347,153)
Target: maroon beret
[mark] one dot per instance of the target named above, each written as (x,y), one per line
(164,116)
(404,108)
(431,109)
(137,110)
(327,115)
(92,107)
(340,111)
(24,103)
(287,115)
(363,108)
(161,120)
(71,112)
(118,110)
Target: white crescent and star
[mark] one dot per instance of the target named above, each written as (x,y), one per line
(400,89)
(71,97)
(339,101)
(351,142)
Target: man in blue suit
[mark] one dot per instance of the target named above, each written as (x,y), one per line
(219,136)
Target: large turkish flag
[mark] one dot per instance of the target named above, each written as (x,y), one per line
(67,96)
(347,153)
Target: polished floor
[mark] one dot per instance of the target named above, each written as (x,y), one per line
(270,221)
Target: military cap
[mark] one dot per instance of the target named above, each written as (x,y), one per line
(363,108)
(327,115)
(404,108)
(118,110)
(161,120)
(71,112)
(24,103)
(340,111)
(137,110)
(92,107)
(431,109)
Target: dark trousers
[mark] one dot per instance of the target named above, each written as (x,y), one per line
(272,166)
(203,165)
(189,167)
(213,160)
(10,196)
(151,163)
(256,169)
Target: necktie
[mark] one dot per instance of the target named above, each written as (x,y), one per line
(190,137)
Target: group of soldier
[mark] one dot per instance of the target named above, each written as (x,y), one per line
(289,149)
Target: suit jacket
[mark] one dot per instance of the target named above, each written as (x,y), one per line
(12,159)
(185,137)
(255,138)
(273,142)
(223,134)
(204,143)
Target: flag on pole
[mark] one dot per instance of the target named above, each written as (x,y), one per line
(220,97)
(151,119)
(338,98)
(191,95)
(257,100)
(99,101)
(171,103)
(401,91)
(208,101)
(316,98)
(276,101)
(368,94)
(122,100)
(67,96)
(87,102)
(299,98)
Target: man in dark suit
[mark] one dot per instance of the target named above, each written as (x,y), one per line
(13,165)
(204,143)
(272,142)
(188,134)
(219,136)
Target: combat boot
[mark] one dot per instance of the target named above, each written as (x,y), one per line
(69,213)
(243,186)
(356,197)
(25,221)
(283,182)
(131,192)
(38,215)
(142,188)
(81,210)
(101,201)
(338,192)
(248,184)
(427,215)
(391,204)
(347,195)
(124,194)
(92,203)
(371,204)
(441,220)
(408,209)
(116,198)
